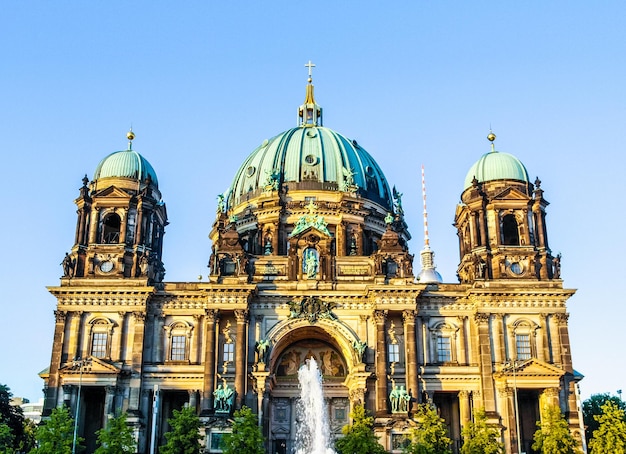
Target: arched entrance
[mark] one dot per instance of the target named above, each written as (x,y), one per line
(329,343)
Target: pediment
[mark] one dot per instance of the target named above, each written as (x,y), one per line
(311,230)
(532,368)
(511,194)
(97,367)
(112,192)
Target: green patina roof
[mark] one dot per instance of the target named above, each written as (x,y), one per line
(311,153)
(496,166)
(126,164)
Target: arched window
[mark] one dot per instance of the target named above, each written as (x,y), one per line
(524,340)
(100,332)
(443,337)
(510,231)
(179,336)
(111,229)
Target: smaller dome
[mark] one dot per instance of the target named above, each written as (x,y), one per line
(126,164)
(496,166)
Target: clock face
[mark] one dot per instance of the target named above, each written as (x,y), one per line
(516,268)
(106,267)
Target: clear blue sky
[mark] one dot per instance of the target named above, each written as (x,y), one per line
(415,82)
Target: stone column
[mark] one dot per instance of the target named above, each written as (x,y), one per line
(420,341)
(195,347)
(484,350)
(193,399)
(555,341)
(139,223)
(463,360)
(158,337)
(566,356)
(381,362)
(408,317)
(93,227)
(464,407)
(506,403)
(498,339)
(240,356)
(208,384)
(55,362)
(139,319)
(80,227)
(550,397)
(109,402)
(425,340)
(123,226)
(543,345)
(483,228)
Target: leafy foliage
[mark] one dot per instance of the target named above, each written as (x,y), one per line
(246,437)
(554,436)
(12,433)
(431,435)
(184,438)
(610,436)
(359,437)
(56,434)
(116,438)
(479,437)
(6,439)
(592,407)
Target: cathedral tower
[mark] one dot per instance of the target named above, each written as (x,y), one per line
(501,222)
(121,221)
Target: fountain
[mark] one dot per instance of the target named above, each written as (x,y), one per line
(312,431)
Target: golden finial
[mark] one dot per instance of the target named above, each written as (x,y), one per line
(130,135)
(491,137)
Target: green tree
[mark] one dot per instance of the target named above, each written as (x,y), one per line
(479,437)
(116,438)
(554,436)
(56,434)
(431,435)
(246,437)
(184,437)
(6,439)
(592,407)
(11,418)
(359,436)
(610,436)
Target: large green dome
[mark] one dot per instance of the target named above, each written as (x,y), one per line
(311,158)
(126,164)
(496,166)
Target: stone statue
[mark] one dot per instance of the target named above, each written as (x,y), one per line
(68,265)
(262,347)
(221,203)
(223,398)
(403,400)
(394,398)
(310,265)
(556,263)
(359,348)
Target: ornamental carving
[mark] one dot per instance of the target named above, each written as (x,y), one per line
(60,316)
(311,308)
(380,317)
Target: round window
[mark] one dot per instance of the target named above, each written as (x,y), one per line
(106,267)
(250,171)
(310,159)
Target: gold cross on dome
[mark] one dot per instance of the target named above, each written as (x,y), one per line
(310,66)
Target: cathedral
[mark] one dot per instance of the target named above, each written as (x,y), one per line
(310,260)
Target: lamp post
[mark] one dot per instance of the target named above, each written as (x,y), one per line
(80,363)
